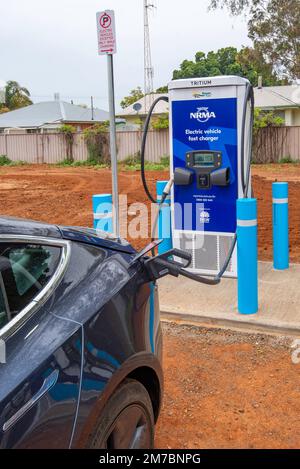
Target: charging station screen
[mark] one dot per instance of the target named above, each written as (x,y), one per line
(199,125)
(204,159)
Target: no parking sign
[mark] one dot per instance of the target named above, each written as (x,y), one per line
(106,31)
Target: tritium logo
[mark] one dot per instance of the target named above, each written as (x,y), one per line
(2,352)
(203,114)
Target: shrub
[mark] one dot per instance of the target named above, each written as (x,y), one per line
(68,133)
(132,160)
(87,163)
(133,163)
(161,123)
(5,161)
(287,160)
(165,161)
(97,142)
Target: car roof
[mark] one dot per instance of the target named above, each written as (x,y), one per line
(24,227)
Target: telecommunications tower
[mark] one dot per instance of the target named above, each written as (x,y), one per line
(148,68)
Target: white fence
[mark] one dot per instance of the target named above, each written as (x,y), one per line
(51,148)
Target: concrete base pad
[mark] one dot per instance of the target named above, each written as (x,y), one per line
(279,301)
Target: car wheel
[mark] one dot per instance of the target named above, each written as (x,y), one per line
(127,421)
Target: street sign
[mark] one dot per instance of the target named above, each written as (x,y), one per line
(106,31)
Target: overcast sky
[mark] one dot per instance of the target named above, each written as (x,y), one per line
(51,46)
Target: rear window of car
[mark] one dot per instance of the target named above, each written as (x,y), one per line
(26,269)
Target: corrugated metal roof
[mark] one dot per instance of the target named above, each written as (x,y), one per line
(277,96)
(49,112)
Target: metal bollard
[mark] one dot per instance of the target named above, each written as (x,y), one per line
(103,212)
(280,193)
(164,220)
(247,256)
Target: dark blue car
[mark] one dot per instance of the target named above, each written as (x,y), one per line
(80,340)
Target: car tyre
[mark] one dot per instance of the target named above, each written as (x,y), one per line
(127,421)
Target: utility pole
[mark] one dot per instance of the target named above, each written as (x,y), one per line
(148,68)
(92,107)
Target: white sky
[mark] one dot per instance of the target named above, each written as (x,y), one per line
(52,46)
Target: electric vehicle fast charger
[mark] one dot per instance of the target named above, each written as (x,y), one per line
(200,99)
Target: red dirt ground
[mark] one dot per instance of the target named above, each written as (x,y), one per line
(223,389)
(63,196)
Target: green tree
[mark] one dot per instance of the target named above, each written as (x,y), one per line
(254,65)
(274,27)
(162,89)
(247,62)
(15,96)
(134,96)
(236,7)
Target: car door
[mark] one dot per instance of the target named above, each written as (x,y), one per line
(40,379)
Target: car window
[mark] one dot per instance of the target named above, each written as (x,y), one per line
(26,269)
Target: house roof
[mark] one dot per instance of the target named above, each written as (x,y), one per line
(269,97)
(146,102)
(50,112)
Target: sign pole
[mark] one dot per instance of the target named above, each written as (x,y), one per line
(113,144)
(106,31)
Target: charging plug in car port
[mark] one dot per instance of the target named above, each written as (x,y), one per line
(164,264)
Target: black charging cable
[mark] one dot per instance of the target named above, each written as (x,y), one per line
(143,149)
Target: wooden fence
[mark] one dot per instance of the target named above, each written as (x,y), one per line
(52,148)
(271,145)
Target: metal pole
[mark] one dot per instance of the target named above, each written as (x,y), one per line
(92,107)
(113,145)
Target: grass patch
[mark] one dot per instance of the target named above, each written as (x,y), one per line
(133,163)
(87,163)
(5,161)
(288,160)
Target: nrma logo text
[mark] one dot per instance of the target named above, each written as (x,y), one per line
(203,114)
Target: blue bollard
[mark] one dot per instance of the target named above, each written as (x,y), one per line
(247,256)
(164,220)
(280,192)
(103,212)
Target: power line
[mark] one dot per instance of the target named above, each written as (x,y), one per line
(70,96)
